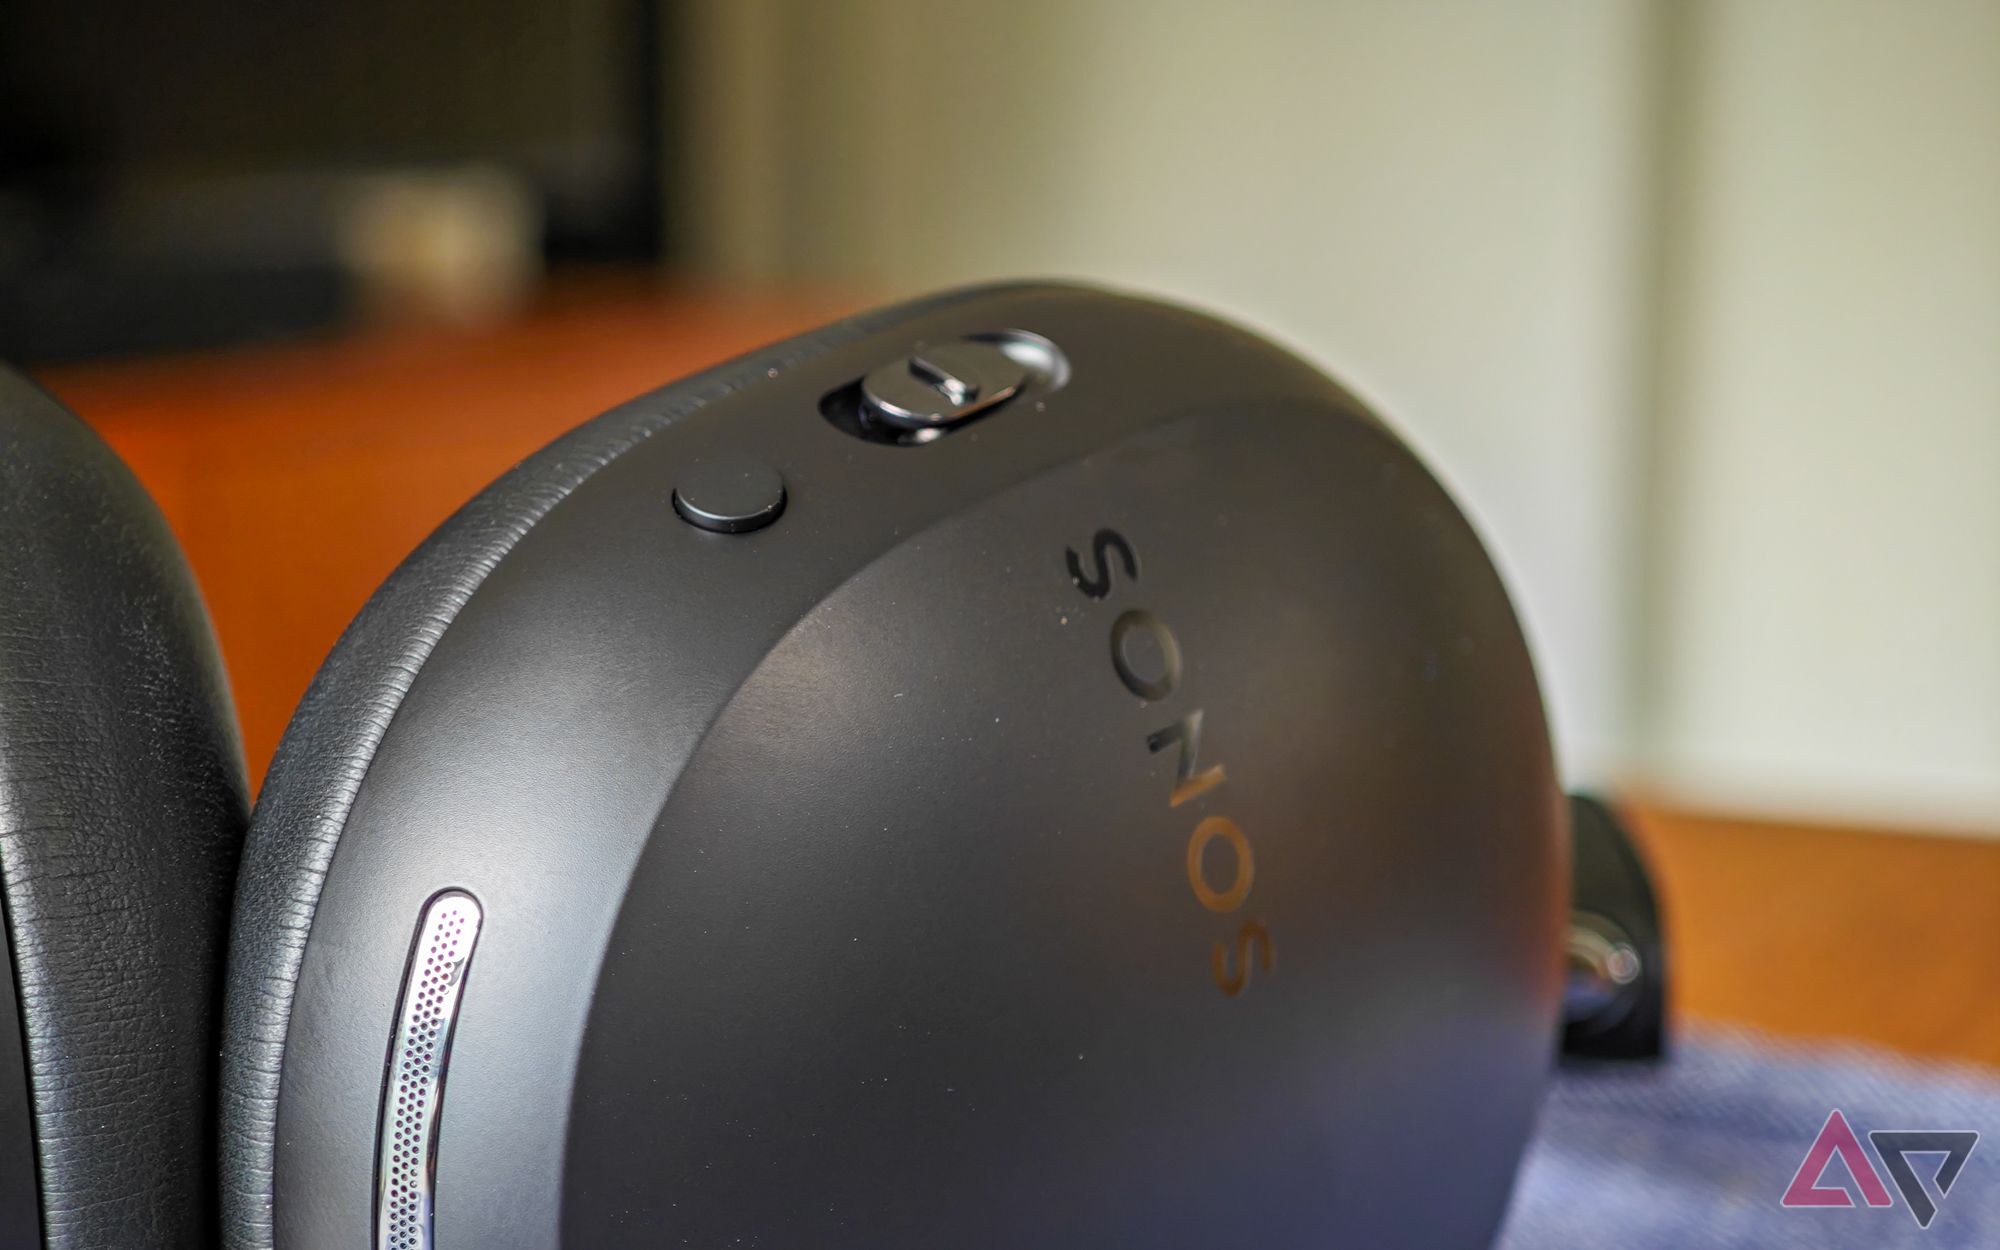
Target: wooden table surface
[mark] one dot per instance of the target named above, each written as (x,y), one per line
(298,477)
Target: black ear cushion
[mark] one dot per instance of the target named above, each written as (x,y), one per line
(122,810)
(333,736)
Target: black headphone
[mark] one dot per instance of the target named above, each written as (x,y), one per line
(1026,767)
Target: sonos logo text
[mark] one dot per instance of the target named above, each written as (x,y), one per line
(1147,659)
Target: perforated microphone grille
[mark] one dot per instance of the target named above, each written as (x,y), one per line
(406,1162)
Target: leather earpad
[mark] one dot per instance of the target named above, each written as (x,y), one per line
(122,809)
(327,749)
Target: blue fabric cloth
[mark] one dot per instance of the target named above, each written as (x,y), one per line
(1696,1153)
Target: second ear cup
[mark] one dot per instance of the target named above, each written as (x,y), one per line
(122,811)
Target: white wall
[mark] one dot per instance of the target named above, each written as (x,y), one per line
(1829,642)
(1436,200)
(1695,302)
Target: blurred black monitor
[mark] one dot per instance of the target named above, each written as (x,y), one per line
(216,171)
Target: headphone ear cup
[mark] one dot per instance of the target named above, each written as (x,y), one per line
(607,890)
(122,811)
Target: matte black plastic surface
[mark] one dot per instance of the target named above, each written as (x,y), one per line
(835,887)
(729,495)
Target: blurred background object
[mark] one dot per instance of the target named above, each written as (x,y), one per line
(1694,303)
(213,172)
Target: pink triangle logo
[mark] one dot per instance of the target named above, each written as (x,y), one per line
(1836,1138)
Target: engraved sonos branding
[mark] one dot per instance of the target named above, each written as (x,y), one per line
(1146,657)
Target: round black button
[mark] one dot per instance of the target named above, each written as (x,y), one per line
(730,494)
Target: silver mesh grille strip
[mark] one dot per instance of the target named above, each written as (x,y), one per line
(406,1162)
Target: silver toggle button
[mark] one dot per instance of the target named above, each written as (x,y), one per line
(942,385)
